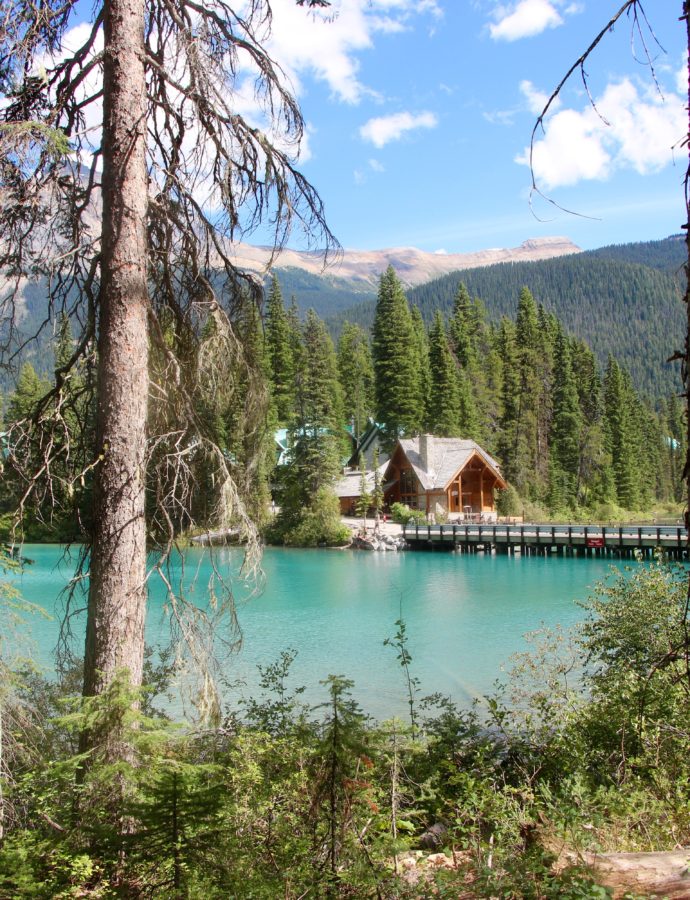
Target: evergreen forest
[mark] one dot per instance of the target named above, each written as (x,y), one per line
(156,396)
(622,301)
(583,750)
(574,438)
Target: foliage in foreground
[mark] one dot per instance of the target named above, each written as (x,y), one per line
(586,748)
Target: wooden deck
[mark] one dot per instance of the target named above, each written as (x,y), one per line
(623,540)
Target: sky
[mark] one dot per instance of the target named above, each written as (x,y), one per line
(419,115)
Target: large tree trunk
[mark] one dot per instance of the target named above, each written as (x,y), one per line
(117,595)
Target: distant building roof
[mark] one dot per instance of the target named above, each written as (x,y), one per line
(350,483)
(367,439)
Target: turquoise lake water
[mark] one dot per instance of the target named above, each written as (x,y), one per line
(465,615)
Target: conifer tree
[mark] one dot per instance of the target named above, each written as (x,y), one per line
(489,400)
(465,329)
(510,397)
(548,330)
(443,397)
(249,437)
(74,435)
(595,474)
(468,415)
(364,499)
(24,399)
(377,496)
(396,362)
(675,440)
(619,432)
(280,355)
(422,366)
(22,406)
(316,438)
(356,372)
(648,451)
(309,513)
(566,424)
(529,396)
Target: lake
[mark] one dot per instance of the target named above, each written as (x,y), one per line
(465,615)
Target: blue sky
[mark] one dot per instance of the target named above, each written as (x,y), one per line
(419,113)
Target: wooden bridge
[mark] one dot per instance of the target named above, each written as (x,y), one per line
(619,540)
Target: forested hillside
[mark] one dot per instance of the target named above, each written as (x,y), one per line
(617,306)
(325,294)
(622,299)
(669,254)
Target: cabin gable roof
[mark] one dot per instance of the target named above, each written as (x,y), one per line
(438,461)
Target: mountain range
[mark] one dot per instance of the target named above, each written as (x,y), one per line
(413,267)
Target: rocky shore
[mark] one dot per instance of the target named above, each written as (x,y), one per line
(381,537)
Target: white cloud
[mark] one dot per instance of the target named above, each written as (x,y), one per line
(536,99)
(327,46)
(642,129)
(376,166)
(535,102)
(384,129)
(525,19)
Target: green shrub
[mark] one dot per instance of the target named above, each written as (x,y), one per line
(403,515)
(508,502)
(317,525)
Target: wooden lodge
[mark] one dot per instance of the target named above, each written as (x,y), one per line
(448,478)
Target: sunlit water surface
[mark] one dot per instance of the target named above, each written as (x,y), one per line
(465,615)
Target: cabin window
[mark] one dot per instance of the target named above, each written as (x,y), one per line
(408,487)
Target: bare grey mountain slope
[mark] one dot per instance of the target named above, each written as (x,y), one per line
(412,266)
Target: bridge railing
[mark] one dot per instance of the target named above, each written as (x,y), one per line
(556,533)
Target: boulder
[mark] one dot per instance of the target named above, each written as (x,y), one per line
(433,837)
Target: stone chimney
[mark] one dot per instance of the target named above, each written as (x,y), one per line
(426,451)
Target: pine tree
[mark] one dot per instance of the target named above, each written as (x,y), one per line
(489,402)
(566,424)
(466,328)
(364,499)
(595,481)
(463,328)
(396,361)
(252,448)
(507,436)
(443,396)
(548,330)
(23,402)
(422,366)
(316,436)
(280,354)
(676,442)
(356,371)
(377,496)
(468,415)
(527,345)
(619,434)
(648,450)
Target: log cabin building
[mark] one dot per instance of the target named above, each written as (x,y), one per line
(444,477)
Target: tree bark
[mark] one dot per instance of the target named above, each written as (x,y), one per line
(117,593)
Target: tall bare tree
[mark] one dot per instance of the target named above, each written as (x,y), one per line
(126,172)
